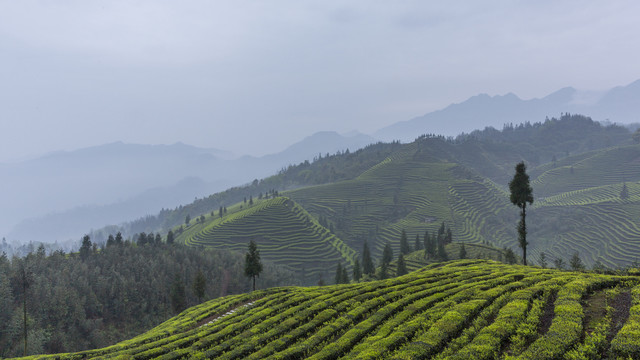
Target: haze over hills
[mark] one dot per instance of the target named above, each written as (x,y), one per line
(69,193)
(619,105)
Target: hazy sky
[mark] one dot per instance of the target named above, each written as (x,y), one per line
(255,76)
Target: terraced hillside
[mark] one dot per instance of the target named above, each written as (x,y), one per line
(457,310)
(283,231)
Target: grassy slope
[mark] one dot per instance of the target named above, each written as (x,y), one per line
(458,310)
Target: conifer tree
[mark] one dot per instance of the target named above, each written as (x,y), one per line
(404,243)
(624,193)
(367,264)
(463,252)
(402,267)
(576,262)
(521,194)
(170,237)
(357,272)
(252,264)
(418,244)
(387,254)
(178,296)
(199,285)
(345,275)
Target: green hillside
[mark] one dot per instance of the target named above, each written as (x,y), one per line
(284,232)
(471,309)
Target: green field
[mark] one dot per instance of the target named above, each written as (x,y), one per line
(468,309)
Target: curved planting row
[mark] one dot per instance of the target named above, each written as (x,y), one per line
(458,310)
(284,232)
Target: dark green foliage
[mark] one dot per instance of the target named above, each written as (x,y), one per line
(559,263)
(401,266)
(357,272)
(199,285)
(509,256)
(543,260)
(85,248)
(338,277)
(367,263)
(178,295)
(252,264)
(345,275)
(405,248)
(521,194)
(383,273)
(170,237)
(576,262)
(187,219)
(463,252)
(387,254)
(417,245)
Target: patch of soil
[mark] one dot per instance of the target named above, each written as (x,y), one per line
(621,305)
(594,311)
(547,315)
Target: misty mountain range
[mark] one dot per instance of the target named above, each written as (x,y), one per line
(63,195)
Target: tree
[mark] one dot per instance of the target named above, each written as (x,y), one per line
(345,275)
(178,296)
(509,256)
(338,277)
(576,263)
(543,260)
(417,244)
(187,219)
(367,264)
(402,267)
(463,252)
(521,194)
(119,240)
(404,243)
(170,237)
(199,285)
(85,248)
(387,254)
(624,193)
(252,264)
(559,263)
(357,272)
(25,278)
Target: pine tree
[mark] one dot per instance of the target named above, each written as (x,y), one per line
(402,267)
(387,254)
(463,252)
(418,244)
(576,262)
(85,248)
(199,285)
(338,277)
(187,219)
(345,275)
(367,264)
(178,296)
(543,260)
(404,243)
(521,194)
(624,193)
(357,272)
(252,264)
(170,237)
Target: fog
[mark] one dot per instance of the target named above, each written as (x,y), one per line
(253,78)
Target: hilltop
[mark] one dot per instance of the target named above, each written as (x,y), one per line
(456,310)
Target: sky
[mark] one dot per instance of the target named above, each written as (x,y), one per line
(255,76)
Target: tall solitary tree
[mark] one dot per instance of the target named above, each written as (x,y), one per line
(367,264)
(401,269)
(521,194)
(252,264)
(404,243)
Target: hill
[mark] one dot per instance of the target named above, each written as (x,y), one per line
(456,310)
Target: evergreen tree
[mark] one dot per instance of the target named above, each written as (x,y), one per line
(463,252)
(119,240)
(158,239)
(178,295)
(442,253)
(338,277)
(142,238)
(345,275)
(170,237)
(576,262)
(404,243)
(252,264)
(521,194)
(85,248)
(357,272)
(418,244)
(111,241)
(199,285)
(402,267)
(187,219)
(250,200)
(543,260)
(367,264)
(387,254)
(624,193)
(559,263)
(509,256)
(384,271)
(220,212)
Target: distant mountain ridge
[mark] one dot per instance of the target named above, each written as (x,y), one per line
(620,104)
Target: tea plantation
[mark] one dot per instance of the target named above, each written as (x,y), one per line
(466,309)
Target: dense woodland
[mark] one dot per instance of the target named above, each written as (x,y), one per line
(100,296)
